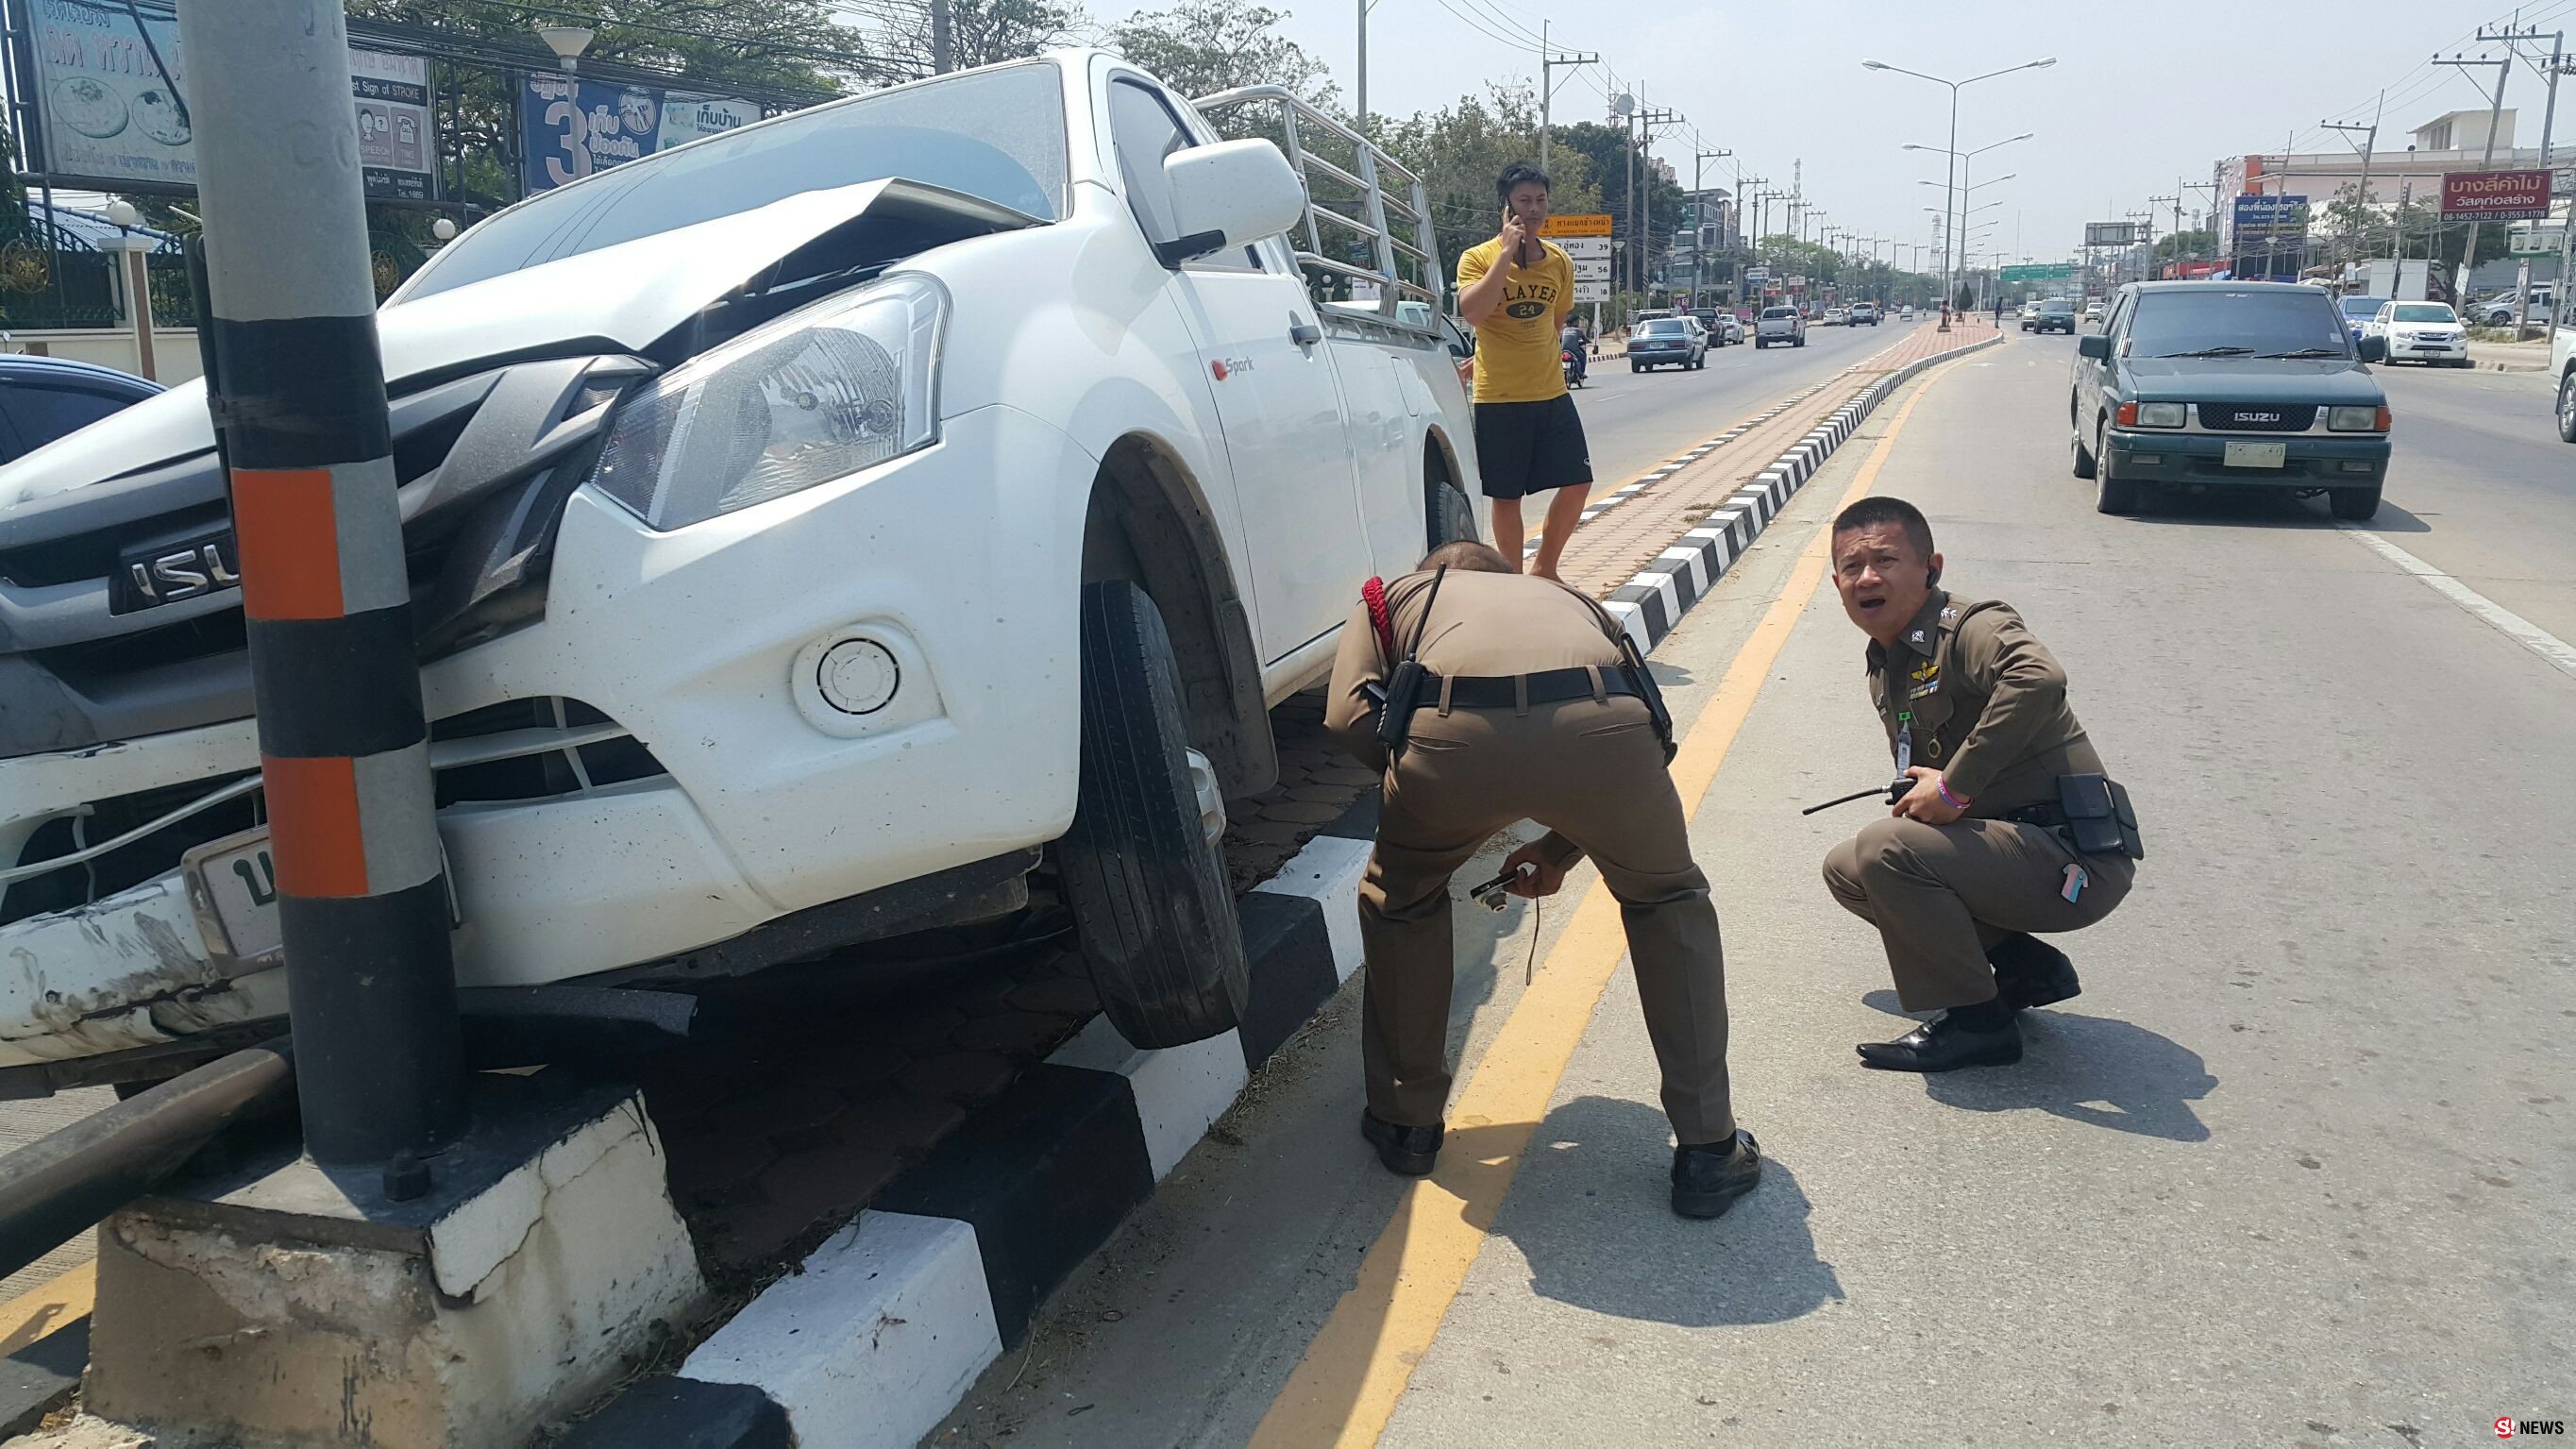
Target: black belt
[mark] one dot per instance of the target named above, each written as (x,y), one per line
(2047,817)
(1502,691)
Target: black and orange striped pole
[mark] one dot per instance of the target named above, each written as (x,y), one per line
(298,396)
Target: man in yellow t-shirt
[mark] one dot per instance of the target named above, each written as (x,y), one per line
(1516,291)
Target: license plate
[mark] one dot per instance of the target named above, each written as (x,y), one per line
(2257,455)
(234,881)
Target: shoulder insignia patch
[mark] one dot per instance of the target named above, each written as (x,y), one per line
(1949,612)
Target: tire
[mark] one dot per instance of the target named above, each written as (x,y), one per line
(2567,407)
(1151,908)
(2354,505)
(1636,367)
(1447,515)
(1800,341)
(2112,495)
(2083,463)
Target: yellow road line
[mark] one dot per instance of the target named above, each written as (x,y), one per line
(1346,1387)
(49,1309)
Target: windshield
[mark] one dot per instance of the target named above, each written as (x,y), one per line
(2057,306)
(994,134)
(1662,328)
(2222,323)
(2363,308)
(2425,312)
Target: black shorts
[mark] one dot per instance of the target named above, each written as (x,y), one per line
(1531,447)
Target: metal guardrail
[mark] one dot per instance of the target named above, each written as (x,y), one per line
(1370,234)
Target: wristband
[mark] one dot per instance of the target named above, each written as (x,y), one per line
(1941,787)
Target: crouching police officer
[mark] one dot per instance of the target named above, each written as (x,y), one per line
(1514,697)
(2009,827)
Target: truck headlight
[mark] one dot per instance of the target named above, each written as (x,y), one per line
(816,395)
(2160,415)
(2356,420)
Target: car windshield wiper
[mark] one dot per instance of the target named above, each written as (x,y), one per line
(2210,352)
(2311,352)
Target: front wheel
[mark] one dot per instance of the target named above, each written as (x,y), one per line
(2567,407)
(2354,505)
(2112,494)
(1140,869)
(2082,462)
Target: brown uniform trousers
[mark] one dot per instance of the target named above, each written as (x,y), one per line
(1971,692)
(1592,770)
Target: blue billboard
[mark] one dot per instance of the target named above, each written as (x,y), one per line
(569,128)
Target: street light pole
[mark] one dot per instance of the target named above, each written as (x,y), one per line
(1549,62)
(1955,87)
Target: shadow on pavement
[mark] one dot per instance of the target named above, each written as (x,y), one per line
(2093,1069)
(1604,1238)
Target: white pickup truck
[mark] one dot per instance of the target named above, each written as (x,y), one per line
(839,527)
(2562,366)
(1782,324)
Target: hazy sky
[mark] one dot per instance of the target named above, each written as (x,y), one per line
(2140,94)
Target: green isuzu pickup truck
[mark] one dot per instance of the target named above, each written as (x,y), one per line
(2199,385)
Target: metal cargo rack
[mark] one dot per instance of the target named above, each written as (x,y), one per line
(1400,271)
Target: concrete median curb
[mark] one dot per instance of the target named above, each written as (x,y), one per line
(878,1334)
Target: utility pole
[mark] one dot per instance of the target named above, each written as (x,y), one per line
(295,383)
(1549,63)
(1361,124)
(2176,199)
(2361,203)
(1647,121)
(943,37)
(2548,119)
(2495,112)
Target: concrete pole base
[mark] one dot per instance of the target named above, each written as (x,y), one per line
(294,1305)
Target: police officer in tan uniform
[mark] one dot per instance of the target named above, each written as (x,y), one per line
(1982,850)
(1526,707)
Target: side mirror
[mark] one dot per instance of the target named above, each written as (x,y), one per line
(2374,349)
(2094,345)
(1230,194)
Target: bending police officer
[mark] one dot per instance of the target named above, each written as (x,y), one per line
(2010,826)
(1513,697)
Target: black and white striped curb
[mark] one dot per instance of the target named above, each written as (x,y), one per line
(1678,462)
(878,1334)
(1654,601)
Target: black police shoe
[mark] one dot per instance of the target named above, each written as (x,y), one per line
(1942,1045)
(1406,1151)
(2030,972)
(1707,1180)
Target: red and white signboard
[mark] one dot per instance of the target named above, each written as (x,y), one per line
(2496,195)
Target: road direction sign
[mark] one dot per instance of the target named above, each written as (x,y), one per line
(2039,272)
(1585,248)
(1591,291)
(1594,223)
(2110,233)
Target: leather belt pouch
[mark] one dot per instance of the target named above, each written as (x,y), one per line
(2099,819)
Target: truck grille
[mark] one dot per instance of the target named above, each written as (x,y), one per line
(519,750)
(2258,417)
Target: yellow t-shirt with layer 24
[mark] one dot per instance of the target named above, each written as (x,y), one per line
(1517,359)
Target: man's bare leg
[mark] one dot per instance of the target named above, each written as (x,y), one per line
(1564,511)
(1508,536)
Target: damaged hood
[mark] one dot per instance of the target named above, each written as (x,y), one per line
(622,298)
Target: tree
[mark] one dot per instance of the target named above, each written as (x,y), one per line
(1459,150)
(1201,47)
(980,32)
(1607,150)
(2185,245)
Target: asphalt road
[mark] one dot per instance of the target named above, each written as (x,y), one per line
(2291,1171)
(1637,420)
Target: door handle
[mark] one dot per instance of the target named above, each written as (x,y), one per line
(1303,333)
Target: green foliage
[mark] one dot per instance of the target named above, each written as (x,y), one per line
(1200,47)
(2186,246)
(1459,149)
(980,32)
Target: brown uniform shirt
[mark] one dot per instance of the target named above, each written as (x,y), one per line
(1482,625)
(1985,703)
